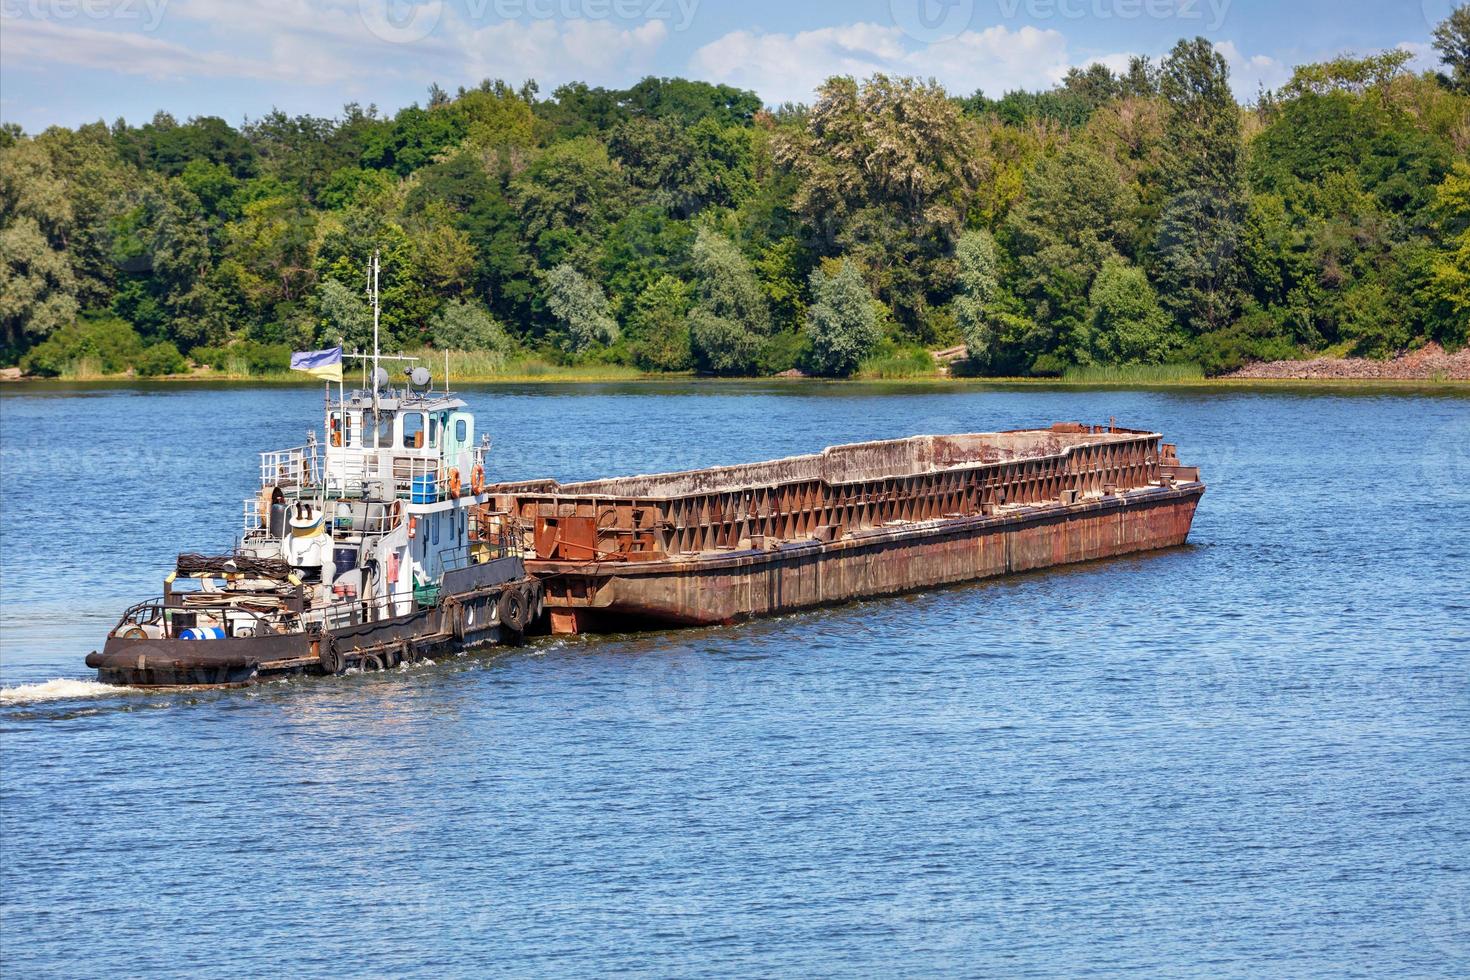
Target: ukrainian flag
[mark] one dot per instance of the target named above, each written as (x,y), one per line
(325,364)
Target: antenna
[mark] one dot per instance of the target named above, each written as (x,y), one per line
(376,369)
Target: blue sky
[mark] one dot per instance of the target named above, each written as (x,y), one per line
(74,61)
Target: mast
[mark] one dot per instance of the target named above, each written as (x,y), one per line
(374,379)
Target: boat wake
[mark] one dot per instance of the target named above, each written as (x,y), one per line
(60,689)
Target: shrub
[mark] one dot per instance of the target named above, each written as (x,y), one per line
(782,351)
(245,357)
(210,357)
(110,343)
(1254,337)
(159,359)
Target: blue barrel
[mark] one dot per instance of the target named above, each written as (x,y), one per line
(425,489)
(202,633)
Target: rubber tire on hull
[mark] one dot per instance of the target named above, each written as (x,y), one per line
(331,658)
(513,611)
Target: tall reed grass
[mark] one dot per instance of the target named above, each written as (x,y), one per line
(1134,374)
(898,366)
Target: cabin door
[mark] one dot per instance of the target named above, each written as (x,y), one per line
(459,440)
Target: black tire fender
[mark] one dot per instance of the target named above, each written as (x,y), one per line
(331,659)
(513,612)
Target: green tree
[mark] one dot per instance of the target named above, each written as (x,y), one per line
(344,316)
(346,254)
(37,290)
(886,172)
(1128,325)
(841,322)
(660,326)
(979,287)
(1198,244)
(575,188)
(731,318)
(1452,41)
(467,326)
(1077,213)
(1449,279)
(580,307)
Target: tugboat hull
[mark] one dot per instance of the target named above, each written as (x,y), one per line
(458,622)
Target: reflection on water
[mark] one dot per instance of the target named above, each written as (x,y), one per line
(1247,755)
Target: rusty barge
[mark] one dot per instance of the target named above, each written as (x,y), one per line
(720,545)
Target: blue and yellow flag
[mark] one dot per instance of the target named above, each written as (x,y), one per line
(325,364)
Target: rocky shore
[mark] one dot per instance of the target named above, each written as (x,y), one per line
(1428,363)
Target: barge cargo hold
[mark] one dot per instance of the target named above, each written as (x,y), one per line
(719,545)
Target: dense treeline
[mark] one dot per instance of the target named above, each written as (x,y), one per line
(1142,218)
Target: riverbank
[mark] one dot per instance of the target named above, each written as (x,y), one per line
(1228,382)
(1429,363)
(1429,366)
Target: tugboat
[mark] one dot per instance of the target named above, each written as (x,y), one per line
(365,550)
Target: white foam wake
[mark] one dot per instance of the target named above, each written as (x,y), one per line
(60,689)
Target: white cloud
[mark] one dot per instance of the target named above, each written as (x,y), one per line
(1425,57)
(328,43)
(27,42)
(1251,73)
(554,52)
(788,67)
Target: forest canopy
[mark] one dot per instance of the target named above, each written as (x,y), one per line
(1136,218)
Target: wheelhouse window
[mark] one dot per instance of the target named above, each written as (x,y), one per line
(461,431)
(345,428)
(413,430)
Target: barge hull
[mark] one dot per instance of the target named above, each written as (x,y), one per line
(711,590)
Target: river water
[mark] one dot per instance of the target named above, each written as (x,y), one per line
(1250,755)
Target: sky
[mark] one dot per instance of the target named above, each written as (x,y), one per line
(69,62)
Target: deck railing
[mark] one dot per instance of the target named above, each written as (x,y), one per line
(288,469)
(414,478)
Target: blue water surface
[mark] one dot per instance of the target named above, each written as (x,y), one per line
(1247,756)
